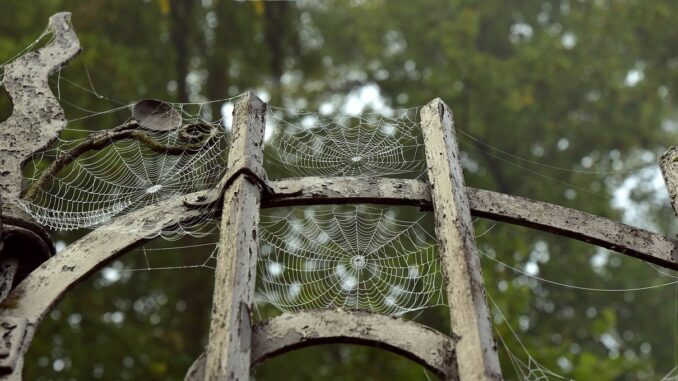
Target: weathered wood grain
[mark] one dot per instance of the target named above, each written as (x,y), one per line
(291,331)
(229,348)
(477,357)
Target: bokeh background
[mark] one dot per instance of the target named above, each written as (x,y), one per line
(564,101)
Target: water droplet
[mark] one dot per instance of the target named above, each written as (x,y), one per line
(154,188)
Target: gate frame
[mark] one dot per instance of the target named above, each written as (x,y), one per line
(235,343)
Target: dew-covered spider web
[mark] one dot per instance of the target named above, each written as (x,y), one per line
(125,167)
(45,37)
(525,364)
(310,144)
(352,257)
(527,369)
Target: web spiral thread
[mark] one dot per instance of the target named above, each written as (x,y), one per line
(307,144)
(352,257)
(124,176)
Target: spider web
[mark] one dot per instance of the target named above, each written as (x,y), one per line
(525,365)
(356,257)
(124,176)
(308,144)
(529,369)
(40,40)
(672,375)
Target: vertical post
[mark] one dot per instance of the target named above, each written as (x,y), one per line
(476,350)
(228,351)
(668,163)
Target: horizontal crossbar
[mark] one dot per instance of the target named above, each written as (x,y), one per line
(586,227)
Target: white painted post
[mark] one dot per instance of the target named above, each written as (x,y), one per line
(229,348)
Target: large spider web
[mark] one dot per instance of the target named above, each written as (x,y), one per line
(125,175)
(307,144)
(356,257)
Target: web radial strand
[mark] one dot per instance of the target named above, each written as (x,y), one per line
(306,144)
(351,257)
(125,175)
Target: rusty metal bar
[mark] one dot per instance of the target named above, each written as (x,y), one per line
(35,122)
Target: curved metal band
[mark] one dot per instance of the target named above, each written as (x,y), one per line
(42,288)
(291,331)
(46,285)
(35,295)
(625,239)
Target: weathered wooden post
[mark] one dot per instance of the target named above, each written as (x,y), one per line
(470,322)
(229,348)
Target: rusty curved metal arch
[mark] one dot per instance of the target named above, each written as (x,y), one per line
(26,83)
(38,292)
(290,331)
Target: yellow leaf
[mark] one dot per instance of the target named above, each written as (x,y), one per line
(259,7)
(164,6)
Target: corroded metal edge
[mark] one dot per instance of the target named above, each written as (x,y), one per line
(571,223)
(46,285)
(12,333)
(477,356)
(228,350)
